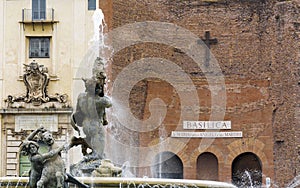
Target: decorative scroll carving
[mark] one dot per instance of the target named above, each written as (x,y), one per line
(36,80)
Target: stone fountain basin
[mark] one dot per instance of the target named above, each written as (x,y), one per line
(125,182)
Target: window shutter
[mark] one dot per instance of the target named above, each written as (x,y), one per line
(42,9)
(35,9)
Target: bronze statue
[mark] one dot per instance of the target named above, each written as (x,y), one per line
(90,113)
(48,169)
(42,170)
(47,138)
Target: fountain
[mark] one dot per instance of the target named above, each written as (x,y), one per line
(95,169)
(98,171)
(22,182)
(247,178)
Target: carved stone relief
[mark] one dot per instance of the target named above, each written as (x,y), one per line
(36,80)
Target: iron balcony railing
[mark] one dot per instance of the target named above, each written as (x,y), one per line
(29,15)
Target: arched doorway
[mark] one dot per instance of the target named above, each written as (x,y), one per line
(207,167)
(167,165)
(247,170)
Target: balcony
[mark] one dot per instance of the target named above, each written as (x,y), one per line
(42,17)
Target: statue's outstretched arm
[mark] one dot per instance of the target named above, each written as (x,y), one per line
(103,102)
(35,132)
(53,152)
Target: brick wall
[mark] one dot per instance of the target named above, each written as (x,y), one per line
(258,53)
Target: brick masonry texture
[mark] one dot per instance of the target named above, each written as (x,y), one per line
(258,53)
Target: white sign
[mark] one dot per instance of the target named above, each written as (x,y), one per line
(236,134)
(207,124)
(268,182)
(31,122)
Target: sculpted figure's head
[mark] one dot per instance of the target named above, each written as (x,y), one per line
(47,138)
(29,147)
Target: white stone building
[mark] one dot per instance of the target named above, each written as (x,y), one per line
(57,34)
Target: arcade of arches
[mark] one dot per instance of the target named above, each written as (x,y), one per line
(246,168)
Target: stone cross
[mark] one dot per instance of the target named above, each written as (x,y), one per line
(208,41)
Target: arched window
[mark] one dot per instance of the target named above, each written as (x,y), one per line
(247,170)
(167,165)
(207,167)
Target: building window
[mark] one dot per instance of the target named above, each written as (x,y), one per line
(39,47)
(38,9)
(91,4)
